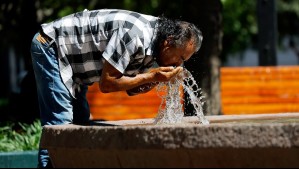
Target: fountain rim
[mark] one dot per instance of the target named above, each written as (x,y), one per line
(212,119)
(194,136)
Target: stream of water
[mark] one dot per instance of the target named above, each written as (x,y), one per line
(171,110)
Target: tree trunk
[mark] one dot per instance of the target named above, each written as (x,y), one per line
(205,66)
(267,35)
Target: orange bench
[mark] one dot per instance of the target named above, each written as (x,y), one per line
(244,90)
(120,106)
(257,90)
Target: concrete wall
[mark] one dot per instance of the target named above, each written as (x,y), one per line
(229,141)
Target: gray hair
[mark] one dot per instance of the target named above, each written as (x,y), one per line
(178,33)
(190,32)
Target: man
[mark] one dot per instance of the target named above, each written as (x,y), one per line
(122,50)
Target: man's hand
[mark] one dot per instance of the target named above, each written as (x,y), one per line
(161,74)
(112,80)
(165,74)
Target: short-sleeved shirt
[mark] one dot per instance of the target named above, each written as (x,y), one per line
(85,40)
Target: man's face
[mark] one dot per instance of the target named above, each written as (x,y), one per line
(174,56)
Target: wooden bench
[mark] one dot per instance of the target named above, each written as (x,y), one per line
(244,90)
(257,90)
(120,106)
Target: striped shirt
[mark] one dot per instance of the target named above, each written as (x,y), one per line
(85,40)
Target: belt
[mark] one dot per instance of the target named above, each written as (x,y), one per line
(44,39)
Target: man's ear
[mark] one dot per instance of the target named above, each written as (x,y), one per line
(165,45)
(167,42)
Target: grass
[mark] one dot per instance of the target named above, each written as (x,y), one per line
(20,136)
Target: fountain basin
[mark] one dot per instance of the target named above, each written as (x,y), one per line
(270,140)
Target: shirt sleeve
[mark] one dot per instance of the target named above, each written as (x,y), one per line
(122,45)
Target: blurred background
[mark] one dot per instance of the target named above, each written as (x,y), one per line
(247,33)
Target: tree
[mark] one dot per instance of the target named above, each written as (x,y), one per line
(206,64)
(239,26)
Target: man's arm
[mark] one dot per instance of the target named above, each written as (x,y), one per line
(142,89)
(112,80)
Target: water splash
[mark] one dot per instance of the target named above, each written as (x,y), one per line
(171,108)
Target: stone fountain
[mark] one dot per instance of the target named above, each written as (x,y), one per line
(265,140)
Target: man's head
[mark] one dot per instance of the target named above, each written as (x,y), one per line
(176,42)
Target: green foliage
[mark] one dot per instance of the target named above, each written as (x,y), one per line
(20,137)
(239,25)
(51,9)
(288,18)
(288,5)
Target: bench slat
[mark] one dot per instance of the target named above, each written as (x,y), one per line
(260,92)
(257,100)
(260,108)
(244,85)
(123,112)
(256,77)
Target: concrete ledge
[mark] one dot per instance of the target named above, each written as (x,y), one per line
(229,141)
